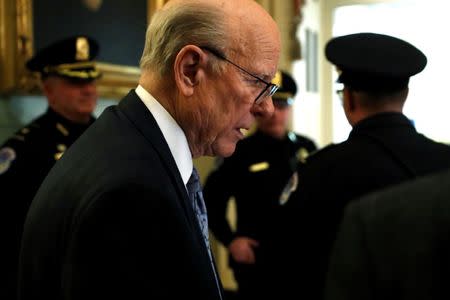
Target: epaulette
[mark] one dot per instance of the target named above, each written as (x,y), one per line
(22,133)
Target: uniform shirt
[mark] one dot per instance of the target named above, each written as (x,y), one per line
(255,176)
(381,150)
(25,160)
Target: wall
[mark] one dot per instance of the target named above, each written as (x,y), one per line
(307,110)
(313,110)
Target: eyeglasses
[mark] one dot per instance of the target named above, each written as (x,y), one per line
(268,90)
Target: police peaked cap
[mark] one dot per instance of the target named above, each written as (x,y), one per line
(72,58)
(288,87)
(374,62)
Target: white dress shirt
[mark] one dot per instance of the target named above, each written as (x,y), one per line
(172,132)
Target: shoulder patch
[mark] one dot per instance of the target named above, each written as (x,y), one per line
(7,155)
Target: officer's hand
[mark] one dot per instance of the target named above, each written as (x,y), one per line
(241,249)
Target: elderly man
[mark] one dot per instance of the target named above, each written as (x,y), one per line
(122,215)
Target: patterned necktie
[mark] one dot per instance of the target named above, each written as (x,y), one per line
(195,194)
(198,204)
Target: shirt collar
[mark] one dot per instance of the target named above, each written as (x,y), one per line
(172,132)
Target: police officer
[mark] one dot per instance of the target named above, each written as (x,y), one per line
(255,176)
(382,149)
(68,75)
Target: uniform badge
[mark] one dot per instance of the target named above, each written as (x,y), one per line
(7,155)
(60,127)
(82,49)
(61,148)
(302,154)
(290,187)
(258,167)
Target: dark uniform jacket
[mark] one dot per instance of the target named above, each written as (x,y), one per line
(25,160)
(255,176)
(113,219)
(382,150)
(395,244)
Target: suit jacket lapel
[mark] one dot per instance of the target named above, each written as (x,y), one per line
(138,114)
(136,111)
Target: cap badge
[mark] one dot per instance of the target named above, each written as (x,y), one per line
(82,49)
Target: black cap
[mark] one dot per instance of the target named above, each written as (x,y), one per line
(288,88)
(71,58)
(374,62)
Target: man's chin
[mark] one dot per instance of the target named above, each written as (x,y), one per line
(224,150)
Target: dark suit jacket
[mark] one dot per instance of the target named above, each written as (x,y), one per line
(395,244)
(112,220)
(382,150)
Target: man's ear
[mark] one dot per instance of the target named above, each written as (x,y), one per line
(189,67)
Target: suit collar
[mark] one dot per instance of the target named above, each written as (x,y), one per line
(136,111)
(138,114)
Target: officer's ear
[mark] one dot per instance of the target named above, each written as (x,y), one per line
(50,91)
(350,101)
(47,85)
